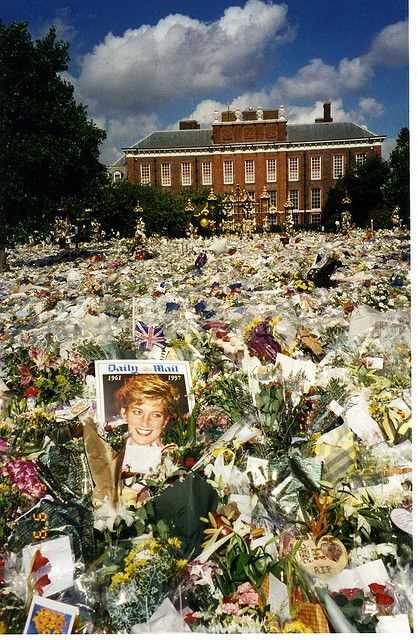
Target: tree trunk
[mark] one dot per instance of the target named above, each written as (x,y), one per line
(3,239)
(2,258)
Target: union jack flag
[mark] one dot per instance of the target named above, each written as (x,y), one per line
(149,336)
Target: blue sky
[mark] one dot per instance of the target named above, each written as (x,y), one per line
(141,65)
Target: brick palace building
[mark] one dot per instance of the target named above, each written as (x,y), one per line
(257,150)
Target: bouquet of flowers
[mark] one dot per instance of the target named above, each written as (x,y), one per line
(20,488)
(46,376)
(360,608)
(151,571)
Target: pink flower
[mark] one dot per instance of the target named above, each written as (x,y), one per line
(229,608)
(23,474)
(77,364)
(26,376)
(3,446)
(247,595)
(39,356)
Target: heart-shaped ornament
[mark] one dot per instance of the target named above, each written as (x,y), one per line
(402,518)
(322,558)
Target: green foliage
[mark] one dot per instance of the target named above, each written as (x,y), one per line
(163,211)
(363,184)
(12,612)
(229,393)
(396,189)
(49,150)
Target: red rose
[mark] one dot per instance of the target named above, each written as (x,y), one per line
(31,391)
(189,463)
(190,617)
(384,599)
(377,588)
(348,307)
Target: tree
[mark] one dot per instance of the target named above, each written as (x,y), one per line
(162,211)
(396,189)
(363,185)
(49,151)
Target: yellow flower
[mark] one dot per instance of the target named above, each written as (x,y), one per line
(251,326)
(228,454)
(296,627)
(49,622)
(175,542)
(181,563)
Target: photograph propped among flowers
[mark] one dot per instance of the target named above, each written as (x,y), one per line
(245,469)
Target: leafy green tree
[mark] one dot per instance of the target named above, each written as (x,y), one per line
(396,189)
(162,211)
(363,185)
(49,150)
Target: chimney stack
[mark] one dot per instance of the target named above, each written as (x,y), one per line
(327,114)
(188,124)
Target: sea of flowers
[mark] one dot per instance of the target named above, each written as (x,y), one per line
(284,503)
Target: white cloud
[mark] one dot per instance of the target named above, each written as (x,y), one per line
(370,107)
(318,80)
(62,23)
(390,47)
(124,132)
(152,65)
(387,147)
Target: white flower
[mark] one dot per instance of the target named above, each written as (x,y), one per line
(222,474)
(106,517)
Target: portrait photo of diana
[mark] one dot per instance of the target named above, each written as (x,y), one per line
(143,394)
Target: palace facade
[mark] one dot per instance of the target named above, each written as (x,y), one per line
(257,150)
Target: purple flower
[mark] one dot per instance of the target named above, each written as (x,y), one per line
(201,260)
(3,446)
(23,474)
(262,343)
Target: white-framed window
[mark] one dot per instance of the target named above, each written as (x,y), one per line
(273,198)
(316,168)
(295,217)
(186,174)
(117,176)
(316,218)
(293,168)
(360,158)
(294,198)
(273,218)
(337,166)
(228,172)
(206,173)
(316,199)
(249,171)
(271,170)
(166,174)
(145,174)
